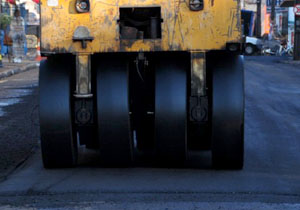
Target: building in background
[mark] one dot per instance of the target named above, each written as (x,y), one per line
(282,27)
(289,4)
(30,13)
(32,17)
(250,7)
(291,27)
(281,16)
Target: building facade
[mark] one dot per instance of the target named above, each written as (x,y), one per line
(282,27)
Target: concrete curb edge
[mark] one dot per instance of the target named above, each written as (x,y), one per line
(12,72)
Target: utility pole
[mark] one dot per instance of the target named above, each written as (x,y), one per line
(297,35)
(273,21)
(273,5)
(258,18)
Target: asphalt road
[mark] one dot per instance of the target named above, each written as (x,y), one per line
(270,179)
(18,119)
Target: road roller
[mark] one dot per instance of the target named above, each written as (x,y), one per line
(142,81)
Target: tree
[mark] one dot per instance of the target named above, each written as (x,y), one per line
(4,21)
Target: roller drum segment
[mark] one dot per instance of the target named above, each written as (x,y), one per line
(58,139)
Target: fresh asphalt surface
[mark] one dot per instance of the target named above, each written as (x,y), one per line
(269,180)
(18,119)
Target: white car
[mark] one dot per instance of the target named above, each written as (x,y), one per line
(252,45)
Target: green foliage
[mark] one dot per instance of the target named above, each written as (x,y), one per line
(4,20)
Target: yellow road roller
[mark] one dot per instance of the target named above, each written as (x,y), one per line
(142,81)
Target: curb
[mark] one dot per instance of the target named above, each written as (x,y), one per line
(11,72)
(291,62)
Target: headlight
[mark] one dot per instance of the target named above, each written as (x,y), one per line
(82,6)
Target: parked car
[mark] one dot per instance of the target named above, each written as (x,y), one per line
(252,45)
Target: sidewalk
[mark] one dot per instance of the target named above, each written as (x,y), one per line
(10,69)
(290,60)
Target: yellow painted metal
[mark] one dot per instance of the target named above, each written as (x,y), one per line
(182,30)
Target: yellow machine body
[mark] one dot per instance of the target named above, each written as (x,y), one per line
(142,81)
(211,28)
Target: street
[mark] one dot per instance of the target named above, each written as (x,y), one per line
(270,178)
(18,119)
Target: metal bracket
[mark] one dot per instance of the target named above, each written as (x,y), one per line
(83,76)
(198,74)
(82,34)
(198,98)
(83,41)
